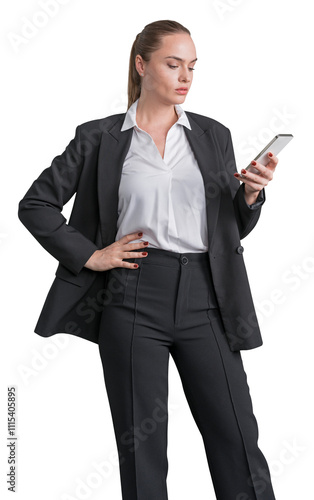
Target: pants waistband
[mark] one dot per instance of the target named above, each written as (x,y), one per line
(172,259)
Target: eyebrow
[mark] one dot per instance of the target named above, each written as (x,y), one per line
(179,58)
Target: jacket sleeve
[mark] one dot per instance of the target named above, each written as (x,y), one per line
(40,208)
(246,215)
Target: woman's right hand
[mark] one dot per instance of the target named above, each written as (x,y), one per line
(111,256)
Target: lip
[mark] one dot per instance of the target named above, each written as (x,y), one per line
(182,90)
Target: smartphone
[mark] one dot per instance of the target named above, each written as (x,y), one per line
(274,146)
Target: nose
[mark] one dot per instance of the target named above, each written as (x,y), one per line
(185,75)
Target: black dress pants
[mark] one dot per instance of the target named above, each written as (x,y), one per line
(165,306)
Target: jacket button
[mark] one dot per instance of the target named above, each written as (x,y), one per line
(240,249)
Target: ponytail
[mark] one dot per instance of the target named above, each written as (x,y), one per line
(134,82)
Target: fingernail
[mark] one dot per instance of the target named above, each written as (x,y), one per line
(243,171)
(140,234)
(253,162)
(270,154)
(236,174)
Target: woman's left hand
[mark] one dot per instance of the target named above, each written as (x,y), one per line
(254,183)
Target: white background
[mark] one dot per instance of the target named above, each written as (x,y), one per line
(253,74)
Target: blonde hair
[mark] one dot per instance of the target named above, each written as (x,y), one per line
(146,42)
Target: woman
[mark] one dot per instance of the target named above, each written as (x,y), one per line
(159,186)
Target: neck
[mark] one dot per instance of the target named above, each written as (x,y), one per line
(155,114)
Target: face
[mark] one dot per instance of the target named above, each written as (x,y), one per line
(170,68)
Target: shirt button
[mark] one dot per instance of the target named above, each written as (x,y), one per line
(184,260)
(240,249)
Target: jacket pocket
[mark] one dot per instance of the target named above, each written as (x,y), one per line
(85,276)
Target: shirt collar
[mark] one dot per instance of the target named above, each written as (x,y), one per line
(130,117)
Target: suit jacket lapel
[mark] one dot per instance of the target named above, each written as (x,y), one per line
(113,149)
(114,146)
(203,145)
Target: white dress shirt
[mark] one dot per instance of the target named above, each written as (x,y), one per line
(162,197)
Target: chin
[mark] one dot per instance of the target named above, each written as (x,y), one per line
(176,98)
(181,98)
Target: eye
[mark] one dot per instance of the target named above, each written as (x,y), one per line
(191,69)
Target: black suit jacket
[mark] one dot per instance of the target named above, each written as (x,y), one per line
(90,167)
